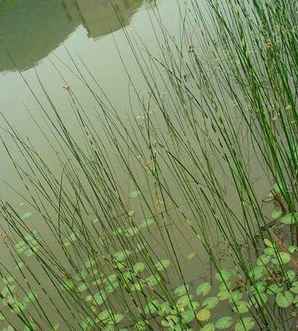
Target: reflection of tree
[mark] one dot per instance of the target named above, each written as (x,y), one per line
(30,30)
(101,17)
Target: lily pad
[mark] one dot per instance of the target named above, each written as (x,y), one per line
(284,299)
(203,289)
(162,265)
(224,323)
(203,315)
(291,218)
(210,302)
(208,327)
(246,324)
(181,290)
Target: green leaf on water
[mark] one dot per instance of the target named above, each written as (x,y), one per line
(203,289)
(223,274)
(162,265)
(246,324)
(121,255)
(276,214)
(257,272)
(152,307)
(183,301)
(26,216)
(99,298)
(263,259)
(294,288)
(241,307)
(291,218)
(82,287)
(188,316)
(284,299)
(104,315)
(181,290)
(203,315)
(292,249)
(285,257)
(223,295)
(210,302)
(208,327)
(134,194)
(153,280)
(269,251)
(224,323)
(191,256)
(117,318)
(139,267)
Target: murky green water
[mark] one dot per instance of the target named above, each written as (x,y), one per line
(41,36)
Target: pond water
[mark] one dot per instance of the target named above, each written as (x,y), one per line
(39,36)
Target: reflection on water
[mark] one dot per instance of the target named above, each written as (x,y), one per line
(101,17)
(31,29)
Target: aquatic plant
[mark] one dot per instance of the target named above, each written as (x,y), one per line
(114,259)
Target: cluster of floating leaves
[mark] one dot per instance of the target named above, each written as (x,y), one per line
(193,306)
(13,301)
(29,245)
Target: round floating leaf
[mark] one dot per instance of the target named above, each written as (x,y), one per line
(274,289)
(268,243)
(104,316)
(224,275)
(285,257)
(183,301)
(136,287)
(117,318)
(134,194)
(276,214)
(241,307)
(284,299)
(291,218)
(208,327)
(292,249)
(153,280)
(99,298)
(181,290)
(139,267)
(210,302)
(152,307)
(223,295)
(203,289)
(113,278)
(257,272)
(203,315)
(164,308)
(269,251)
(188,316)
(26,216)
(224,323)
(246,324)
(121,255)
(191,256)
(263,260)
(82,287)
(162,265)
(294,289)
